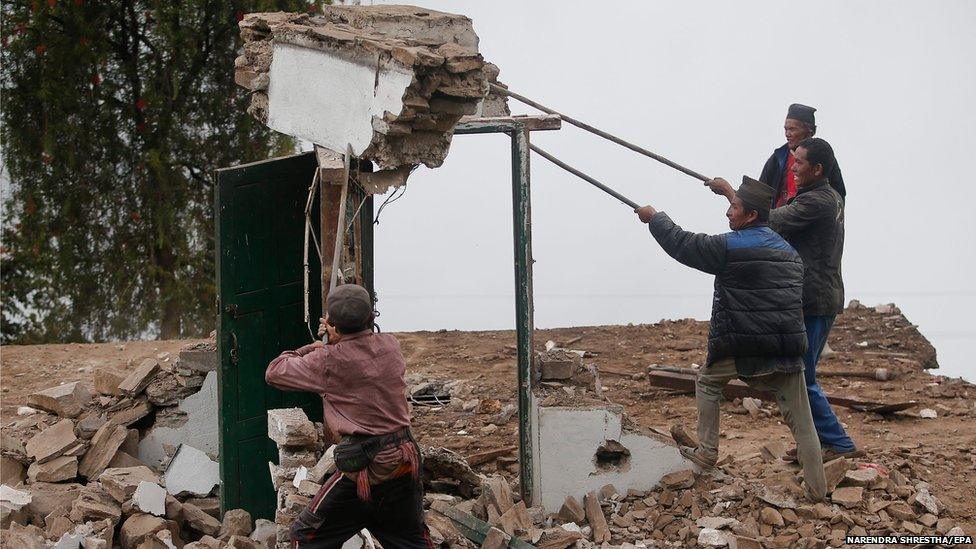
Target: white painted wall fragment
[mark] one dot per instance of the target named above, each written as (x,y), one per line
(331,100)
(191,471)
(200,430)
(565,441)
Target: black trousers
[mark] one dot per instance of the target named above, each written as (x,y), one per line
(394,515)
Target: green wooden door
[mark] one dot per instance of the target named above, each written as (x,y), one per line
(260,221)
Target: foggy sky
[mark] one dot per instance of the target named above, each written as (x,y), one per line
(706,84)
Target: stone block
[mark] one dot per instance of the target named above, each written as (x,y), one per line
(264,533)
(191,472)
(324,467)
(11,471)
(107,382)
(199,521)
(848,496)
(137,528)
(93,503)
(122,483)
(130,411)
(679,480)
(52,441)
(572,511)
(57,470)
(236,522)
(136,381)
(104,446)
(64,400)
(291,427)
(199,357)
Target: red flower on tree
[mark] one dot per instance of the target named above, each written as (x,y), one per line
(140,104)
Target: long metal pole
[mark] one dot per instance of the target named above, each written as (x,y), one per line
(584,177)
(601,133)
(524,324)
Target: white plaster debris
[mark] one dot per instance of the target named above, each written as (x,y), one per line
(712,538)
(13,497)
(191,471)
(300,475)
(200,429)
(928,413)
(25,411)
(565,441)
(150,498)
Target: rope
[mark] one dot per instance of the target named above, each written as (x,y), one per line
(308,231)
(498,89)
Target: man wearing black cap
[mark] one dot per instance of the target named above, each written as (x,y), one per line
(813,223)
(778,172)
(756,331)
(359,375)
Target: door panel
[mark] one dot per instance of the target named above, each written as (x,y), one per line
(260,223)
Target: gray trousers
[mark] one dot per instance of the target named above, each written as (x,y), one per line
(790,391)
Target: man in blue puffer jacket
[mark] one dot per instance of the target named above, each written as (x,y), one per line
(756,331)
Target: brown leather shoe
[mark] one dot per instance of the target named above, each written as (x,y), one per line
(683,437)
(830,454)
(695,456)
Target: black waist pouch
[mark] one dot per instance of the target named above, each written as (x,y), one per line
(355,452)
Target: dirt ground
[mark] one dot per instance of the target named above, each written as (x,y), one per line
(943,450)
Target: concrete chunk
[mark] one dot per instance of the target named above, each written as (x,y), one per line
(150,497)
(325,466)
(140,377)
(93,503)
(11,471)
(52,442)
(64,400)
(139,527)
(291,427)
(57,470)
(191,472)
(572,511)
(105,444)
(237,522)
(264,533)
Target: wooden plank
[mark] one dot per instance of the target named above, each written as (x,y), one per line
(508,124)
(739,389)
(472,527)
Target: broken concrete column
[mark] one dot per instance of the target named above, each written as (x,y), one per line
(64,400)
(388,82)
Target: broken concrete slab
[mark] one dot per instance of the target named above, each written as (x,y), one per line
(150,497)
(104,445)
(291,427)
(199,429)
(353,77)
(52,442)
(136,381)
(57,470)
(564,447)
(65,400)
(191,472)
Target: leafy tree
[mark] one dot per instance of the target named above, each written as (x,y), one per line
(115,114)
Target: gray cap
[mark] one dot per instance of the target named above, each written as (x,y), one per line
(349,306)
(755,195)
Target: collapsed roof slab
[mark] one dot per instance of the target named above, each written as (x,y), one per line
(388,83)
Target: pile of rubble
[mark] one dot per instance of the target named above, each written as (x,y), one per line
(421,70)
(752,501)
(122,461)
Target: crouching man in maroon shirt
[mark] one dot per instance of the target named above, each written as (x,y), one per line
(359,375)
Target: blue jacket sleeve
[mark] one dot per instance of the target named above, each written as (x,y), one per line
(698,251)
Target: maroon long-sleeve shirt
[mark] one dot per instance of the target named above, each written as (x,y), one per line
(360,380)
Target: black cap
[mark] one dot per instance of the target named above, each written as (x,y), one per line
(755,195)
(350,307)
(802,113)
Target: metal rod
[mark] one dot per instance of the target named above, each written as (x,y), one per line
(524,324)
(601,133)
(584,177)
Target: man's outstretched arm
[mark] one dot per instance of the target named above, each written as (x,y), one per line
(299,370)
(698,251)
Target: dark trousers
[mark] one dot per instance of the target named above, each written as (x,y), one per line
(394,515)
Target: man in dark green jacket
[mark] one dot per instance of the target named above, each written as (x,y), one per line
(756,331)
(813,223)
